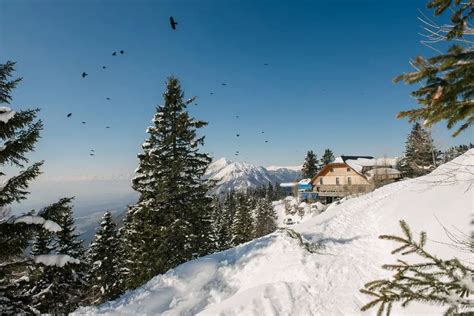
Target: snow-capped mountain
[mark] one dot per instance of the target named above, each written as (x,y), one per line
(241,175)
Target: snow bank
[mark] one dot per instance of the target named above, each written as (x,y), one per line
(274,275)
(56,260)
(38,220)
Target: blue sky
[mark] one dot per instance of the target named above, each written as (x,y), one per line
(328,83)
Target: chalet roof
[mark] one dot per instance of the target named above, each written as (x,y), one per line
(344,158)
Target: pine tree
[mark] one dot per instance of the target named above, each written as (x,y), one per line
(59,289)
(327,158)
(310,165)
(265,218)
(456,151)
(279,194)
(435,281)
(104,278)
(421,157)
(222,222)
(171,223)
(242,227)
(446,92)
(19,132)
(270,192)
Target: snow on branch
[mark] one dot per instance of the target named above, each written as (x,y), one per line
(38,220)
(56,260)
(6,114)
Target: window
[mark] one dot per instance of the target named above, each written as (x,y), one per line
(349,180)
(332,169)
(321,181)
(337,181)
(348,169)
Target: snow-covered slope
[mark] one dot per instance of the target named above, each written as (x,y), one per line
(274,275)
(241,175)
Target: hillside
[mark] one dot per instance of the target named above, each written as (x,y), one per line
(241,175)
(274,275)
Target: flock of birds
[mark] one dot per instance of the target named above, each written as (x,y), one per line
(173,25)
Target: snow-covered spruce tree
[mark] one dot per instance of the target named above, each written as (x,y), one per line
(19,132)
(104,278)
(171,223)
(222,222)
(310,165)
(420,157)
(270,192)
(446,92)
(327,158)
(434,281)
(279,194)
(242,226)
(265,218)
(61,279)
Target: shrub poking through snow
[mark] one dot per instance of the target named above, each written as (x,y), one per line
(309,246)
(435,281)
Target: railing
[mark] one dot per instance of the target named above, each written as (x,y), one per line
(341,190)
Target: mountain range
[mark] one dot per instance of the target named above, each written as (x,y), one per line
(239,176)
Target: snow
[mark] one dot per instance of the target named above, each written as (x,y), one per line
(56,260)
(51,226)
(274,275)
(305,181)
(468,283)
(382,171)
(6,114)
(358,164)
(38,220)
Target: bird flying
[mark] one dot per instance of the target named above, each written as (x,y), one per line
(107,127)
(238,135)
(173,23)
(83,122)
(224,84)
(114,54)
(84,75)
(69,115)
(107,99)
(103,67)
(122,52)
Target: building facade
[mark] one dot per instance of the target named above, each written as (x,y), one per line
(337,180)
